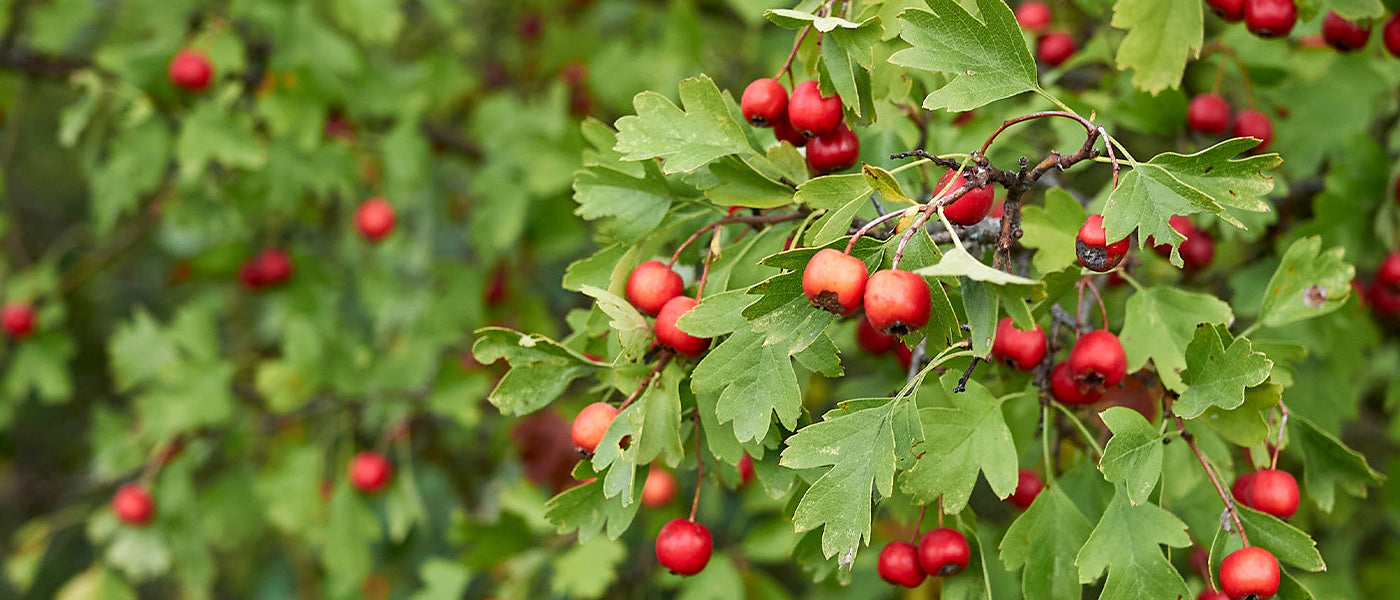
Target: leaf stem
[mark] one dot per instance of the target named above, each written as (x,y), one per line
(699,466)
(665,357)
(1045,422)
(1214,479)
(1084,431)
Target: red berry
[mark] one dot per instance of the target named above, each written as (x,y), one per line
(684,547)
(374,219)
(1055,48)
(1068,391)
(1229,10)
(972,207)
(271,267)
(1240,489)
(833,151)
(1342,34)
(1388,273)
(1270,18)
(904,356)
(873,341)
(1249,573)
(370,472)
(1209,594)
(1033,15)
(1028,486)
(1197,251)
(530,26)
(1097,359)
(1274,492)
(1252,123)
(590,425)
(1021,349)
(1208,113)
(1390,34)
(1200,562)
(899,565)
(812,113)
(784,131)
(497,288)
(764,102)
(1384,299)
(17,319)
(745,470)
(669,334)
(1093,249)
(896,302)
(943,552)
(133,505)
(834,281)
(651,285)
(659,489)
(190,70)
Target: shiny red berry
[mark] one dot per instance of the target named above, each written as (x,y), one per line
(812,113)
(873,341)
(1068,391)
(1021,349)
(1093,249)
(833,151)
(972,207)
(374,219)
(671,335)
(17,319)
(1229,10)
(1028,486)
(899,565)
(1208,113)
(1390,34)
(1252,123)
(896,302)
(132,504)
(834,281)
(190,70)
(684,547)
(1270,18)
(764,102)
(1055,48)
(1342,34)
(943,552)
(784,131)
(1197,252)
(1249,574)
(1033,16)
(1274,492)
(1097,359)
(651,285)
(590,425)
(370,472)
(659,489)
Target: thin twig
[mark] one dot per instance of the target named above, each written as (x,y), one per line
(752,220)
(1214,479)
(967,374)
(661,361)
(699,466)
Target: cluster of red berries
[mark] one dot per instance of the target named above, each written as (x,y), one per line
(942,552)
(1264,18)
(1052,47)
(1209,113)
(655,289)
(806,119)
(17,319)
(1096,362)
(896,302)
(1197,251)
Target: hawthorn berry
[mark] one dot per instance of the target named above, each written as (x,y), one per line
(784,131)
(903,355)
(1388,273)
(1240,489)
(1097,359)
(943,552)
(684,546)
(370,472)
(764,102)
(1229,10)
(374,219)
(190,70)
(899,565)
(1208,113)
(671,335)
(17,319)
(590,425)
(1197,251)
(745,470)
(1270,18)
(1028,486)
(812,113)
(1093,249)
(1209,594)
(1342,34)
(132,504)
(271,267)
(873,341)
(1068,391)
(1021,349)
(1390,34)
(1255,124)
(972,207)
(835,281)
(1273,491)
(659,489)
(833,151)
(1055,48)
(896,302)
(651,285)
(1033,16)
(1250,573)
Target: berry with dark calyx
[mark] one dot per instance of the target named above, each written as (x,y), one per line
(1097,359)
(764,102)
(374,219)
(899,565)
(370,472)
(1229,10)
(190,70)
(1033,16)
(833,151)
(1273,491)
(671,335)
(590,425)
(785,132)
(873,341)
(1208,113)
(835,281)
(132,504)
(1055,48)
(896,302)
(1342,34)
(651,285)
(1252,123)
(812,113)
(1249,574)
(1028,486)
(1093,249)
(943,552)
(684,546)
(1021,349)
(17,319)
(1270,18)
(1068,391)
(659,489)
(1390,35)
(972,207)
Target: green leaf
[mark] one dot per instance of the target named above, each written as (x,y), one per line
(957,262)
(1043,540)
(720,580)
(375,21)
(1357,9)
(885,184)
(656,419)
(1127,543)
(140,553)
(717,314)
(40,365)
(637,205)
(212,133)
(587,569)
(1133,456)
(1216,373)
(442,580)
(1328,463)
(350,537)
(1052,230)
(969,438)
(833,191)
(633,331)
(1286,542)
(1308,283)
(1245,426)
(684,140)
(540,368)
(987,60)
(1162,35)
(586,510)
(1159,325)
(738,183)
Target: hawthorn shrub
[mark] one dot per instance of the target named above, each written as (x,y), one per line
(430,299)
